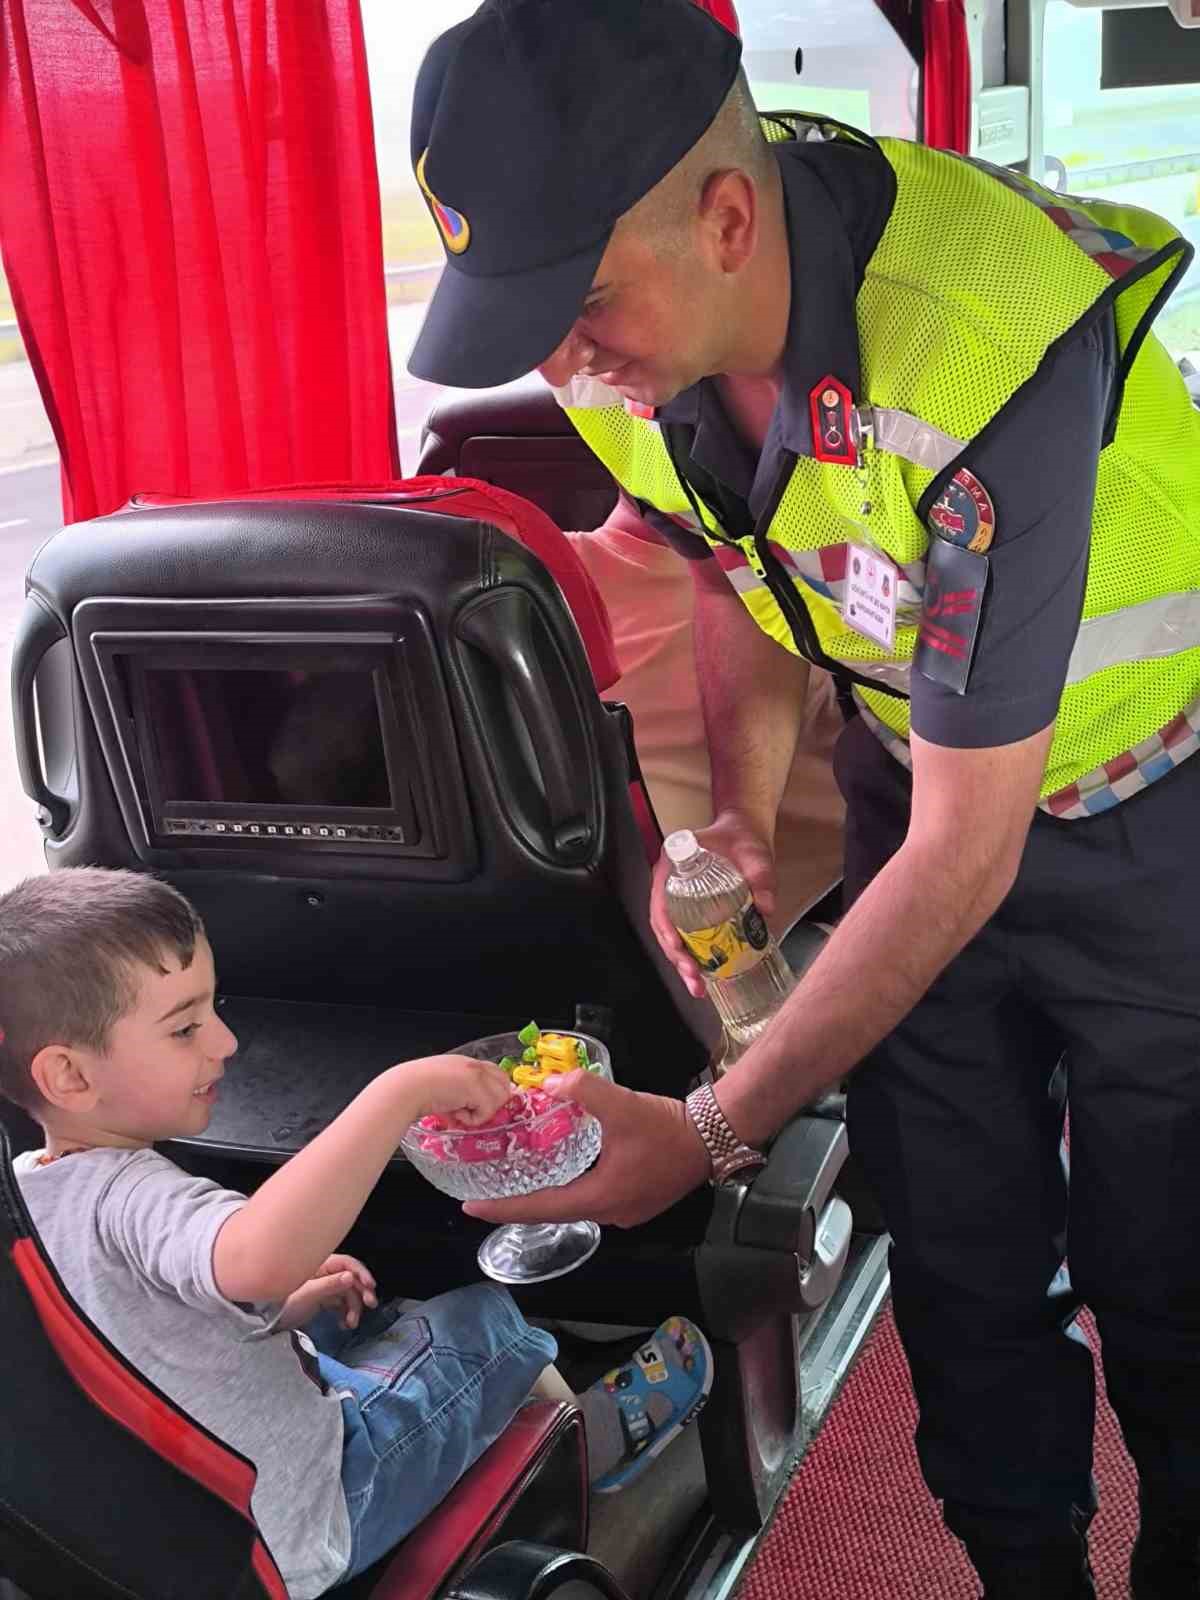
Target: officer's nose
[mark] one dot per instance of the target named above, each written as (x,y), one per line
(575,352)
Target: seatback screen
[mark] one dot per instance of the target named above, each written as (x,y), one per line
(266,737)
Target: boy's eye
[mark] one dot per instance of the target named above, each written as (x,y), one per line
(186,1032)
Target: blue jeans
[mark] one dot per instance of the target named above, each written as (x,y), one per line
(422,1396)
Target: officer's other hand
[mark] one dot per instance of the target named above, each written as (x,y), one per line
(734,836)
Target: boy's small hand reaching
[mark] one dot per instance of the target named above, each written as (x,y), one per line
(469,1091)
(341,1282)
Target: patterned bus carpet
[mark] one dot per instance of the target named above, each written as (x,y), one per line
(858,1524)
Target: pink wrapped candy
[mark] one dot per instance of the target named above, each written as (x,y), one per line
(530,1120)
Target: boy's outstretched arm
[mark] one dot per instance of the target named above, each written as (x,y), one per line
(301,1214)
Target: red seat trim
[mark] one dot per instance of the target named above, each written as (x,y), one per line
(455,1534)
(115,1390)
(471,497)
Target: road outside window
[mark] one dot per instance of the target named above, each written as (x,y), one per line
(1133,146)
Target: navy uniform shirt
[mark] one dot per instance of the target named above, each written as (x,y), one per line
(1037,456)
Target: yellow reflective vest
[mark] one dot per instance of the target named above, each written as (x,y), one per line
(951,323)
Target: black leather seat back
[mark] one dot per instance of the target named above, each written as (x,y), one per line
(234,666)
(517,437)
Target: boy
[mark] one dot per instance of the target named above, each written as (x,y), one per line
(110,1039)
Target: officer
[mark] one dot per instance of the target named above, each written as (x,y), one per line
(904,415)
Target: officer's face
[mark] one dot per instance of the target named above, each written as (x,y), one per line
(652,324)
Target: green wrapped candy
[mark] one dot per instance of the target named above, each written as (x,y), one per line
(509,1064)
(529,1056)
(530,1034)
(581,1053)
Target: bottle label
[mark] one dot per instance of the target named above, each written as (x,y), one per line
(732,947)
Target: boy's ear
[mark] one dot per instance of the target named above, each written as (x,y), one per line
(62,1078)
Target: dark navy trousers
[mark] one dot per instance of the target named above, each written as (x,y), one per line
(1093,961)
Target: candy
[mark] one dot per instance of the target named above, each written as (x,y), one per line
(553,1047)
(530,1120)
(550,1130)
(483,1146)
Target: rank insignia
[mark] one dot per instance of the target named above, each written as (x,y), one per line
(831,406)
(963,513)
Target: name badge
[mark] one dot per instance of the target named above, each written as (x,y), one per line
(869,598)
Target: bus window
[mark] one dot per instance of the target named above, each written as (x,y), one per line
(843,60)
(852,64)
(1140,146)
(397,37)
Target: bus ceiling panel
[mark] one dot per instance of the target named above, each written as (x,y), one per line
(1185,12)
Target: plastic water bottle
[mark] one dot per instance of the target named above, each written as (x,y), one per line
(711,905)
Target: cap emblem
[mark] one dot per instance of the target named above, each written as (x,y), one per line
(452,225)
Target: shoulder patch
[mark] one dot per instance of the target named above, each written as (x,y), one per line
(955,585)
(963,513)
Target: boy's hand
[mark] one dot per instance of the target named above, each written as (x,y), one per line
(455,1086)
(341,1281)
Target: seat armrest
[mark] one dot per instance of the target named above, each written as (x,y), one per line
(530,1484)
(782,1205)
(778,1243)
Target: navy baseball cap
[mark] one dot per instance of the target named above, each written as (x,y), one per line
(536,124)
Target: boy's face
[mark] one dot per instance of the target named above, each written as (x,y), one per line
(158,1077)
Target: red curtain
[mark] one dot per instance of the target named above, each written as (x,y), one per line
(947,76)
(189,216)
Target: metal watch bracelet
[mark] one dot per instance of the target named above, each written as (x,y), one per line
(729,1154)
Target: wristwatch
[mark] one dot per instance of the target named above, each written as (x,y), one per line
(730,1156)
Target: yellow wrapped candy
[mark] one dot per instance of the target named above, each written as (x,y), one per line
(553,1047)
(529,1077)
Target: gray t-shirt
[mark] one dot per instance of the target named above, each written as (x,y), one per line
(132,1238)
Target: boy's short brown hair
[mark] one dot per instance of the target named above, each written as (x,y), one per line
(70,944)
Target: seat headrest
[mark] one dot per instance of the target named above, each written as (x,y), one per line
(524,408)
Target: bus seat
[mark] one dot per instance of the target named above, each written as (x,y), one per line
(532,527)
(518,438)
(518,518)
(497,875)
(107,1488)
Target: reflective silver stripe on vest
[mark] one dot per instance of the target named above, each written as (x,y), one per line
(897,674)
(1161,627)
(900,434)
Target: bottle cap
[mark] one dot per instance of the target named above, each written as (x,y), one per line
(681,846)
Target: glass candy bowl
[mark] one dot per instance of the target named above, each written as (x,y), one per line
(534,1151)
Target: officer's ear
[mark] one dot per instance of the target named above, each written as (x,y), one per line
(729,218)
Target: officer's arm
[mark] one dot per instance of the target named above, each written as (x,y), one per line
(978,766)
(971,812)
(753,694)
